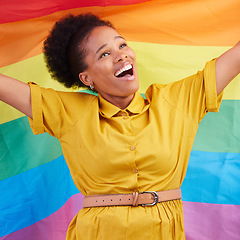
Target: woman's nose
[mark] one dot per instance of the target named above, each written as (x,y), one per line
(120,56)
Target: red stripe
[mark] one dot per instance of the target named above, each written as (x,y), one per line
(15,10)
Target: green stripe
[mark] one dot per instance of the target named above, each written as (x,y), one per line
(220,132)
(20,150)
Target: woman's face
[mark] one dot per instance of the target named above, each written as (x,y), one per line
(111,66)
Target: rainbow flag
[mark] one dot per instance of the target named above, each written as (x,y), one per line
(172,40)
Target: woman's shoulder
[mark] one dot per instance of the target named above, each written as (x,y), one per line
(171,88)
(67,96)
(69,100)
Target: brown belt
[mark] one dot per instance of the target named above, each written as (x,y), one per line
(147,198)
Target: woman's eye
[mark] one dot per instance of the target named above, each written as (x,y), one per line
(123,45)
(104,54)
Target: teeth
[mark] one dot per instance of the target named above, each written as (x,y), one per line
(127,67)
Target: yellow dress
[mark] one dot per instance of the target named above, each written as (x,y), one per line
(144,147)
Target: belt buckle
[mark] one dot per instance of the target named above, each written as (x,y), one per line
(155,197)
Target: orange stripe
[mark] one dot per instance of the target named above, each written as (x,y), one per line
(207,23)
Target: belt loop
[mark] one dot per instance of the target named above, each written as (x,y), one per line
(135,199)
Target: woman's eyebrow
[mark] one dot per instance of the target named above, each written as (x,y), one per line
(120,37)
(104,45)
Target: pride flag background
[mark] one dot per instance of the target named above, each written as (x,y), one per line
(172,39)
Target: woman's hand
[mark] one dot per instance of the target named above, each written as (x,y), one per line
(227,67)
(16,93)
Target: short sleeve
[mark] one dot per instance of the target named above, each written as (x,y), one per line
(56,112)
(209,76)
(36,122)
(193,96)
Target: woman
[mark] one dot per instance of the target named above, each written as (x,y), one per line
(128,155)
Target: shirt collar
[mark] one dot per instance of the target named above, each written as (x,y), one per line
(136,106)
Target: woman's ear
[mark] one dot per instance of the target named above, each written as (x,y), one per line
(85,79)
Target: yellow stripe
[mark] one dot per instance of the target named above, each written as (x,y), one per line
(156,63)
(29,70)
(168,63)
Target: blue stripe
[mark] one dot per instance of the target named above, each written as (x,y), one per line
(212,178)
(34,195)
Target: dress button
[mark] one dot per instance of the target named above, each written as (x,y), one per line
(124,114)
(135,171)
(132,148)
(125,117)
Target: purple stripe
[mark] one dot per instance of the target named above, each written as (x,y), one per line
(53,227)
(205,221)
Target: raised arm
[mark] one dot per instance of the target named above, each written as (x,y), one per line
(16,93)
(227,67)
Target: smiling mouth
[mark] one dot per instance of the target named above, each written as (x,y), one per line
(126,70)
